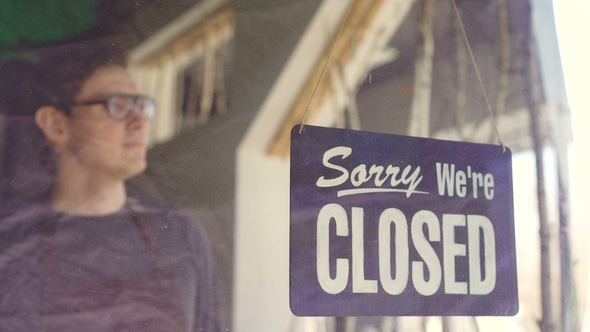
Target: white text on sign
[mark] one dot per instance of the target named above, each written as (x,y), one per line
(478,284)
(456,182)
(360,175)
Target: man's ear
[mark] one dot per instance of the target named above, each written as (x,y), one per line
(52,123)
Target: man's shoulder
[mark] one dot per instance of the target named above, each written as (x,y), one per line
(19,229)
(24,215)
(167,217)
(152,207)
(177,226)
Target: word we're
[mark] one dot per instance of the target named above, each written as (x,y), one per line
(451,182)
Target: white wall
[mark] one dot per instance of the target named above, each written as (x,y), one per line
(262,244)
(261,273)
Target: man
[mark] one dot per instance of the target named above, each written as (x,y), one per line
(89,257)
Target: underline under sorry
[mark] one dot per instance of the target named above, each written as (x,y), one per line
(349,192)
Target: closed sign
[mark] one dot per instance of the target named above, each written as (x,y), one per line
(386,225)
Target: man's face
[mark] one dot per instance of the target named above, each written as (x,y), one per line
(100,144)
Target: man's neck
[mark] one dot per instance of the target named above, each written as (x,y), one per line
(84,194)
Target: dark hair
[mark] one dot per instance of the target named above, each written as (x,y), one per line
(63,70)
(52,76)
(18,87)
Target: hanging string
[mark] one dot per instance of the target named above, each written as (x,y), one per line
(485,95)
(324,69)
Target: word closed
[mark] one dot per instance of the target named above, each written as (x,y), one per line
(480,234)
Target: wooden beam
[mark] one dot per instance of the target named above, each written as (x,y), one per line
(420,114)
(353,31)
(175,29)
(221,21)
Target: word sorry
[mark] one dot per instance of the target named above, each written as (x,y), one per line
(392,217)
(360,175)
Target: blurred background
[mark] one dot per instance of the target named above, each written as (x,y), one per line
(232,77)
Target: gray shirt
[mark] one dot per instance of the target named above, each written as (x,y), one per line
(111,248)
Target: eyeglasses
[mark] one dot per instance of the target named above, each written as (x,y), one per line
(120,106)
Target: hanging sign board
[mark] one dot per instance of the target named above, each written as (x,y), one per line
(387,225)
